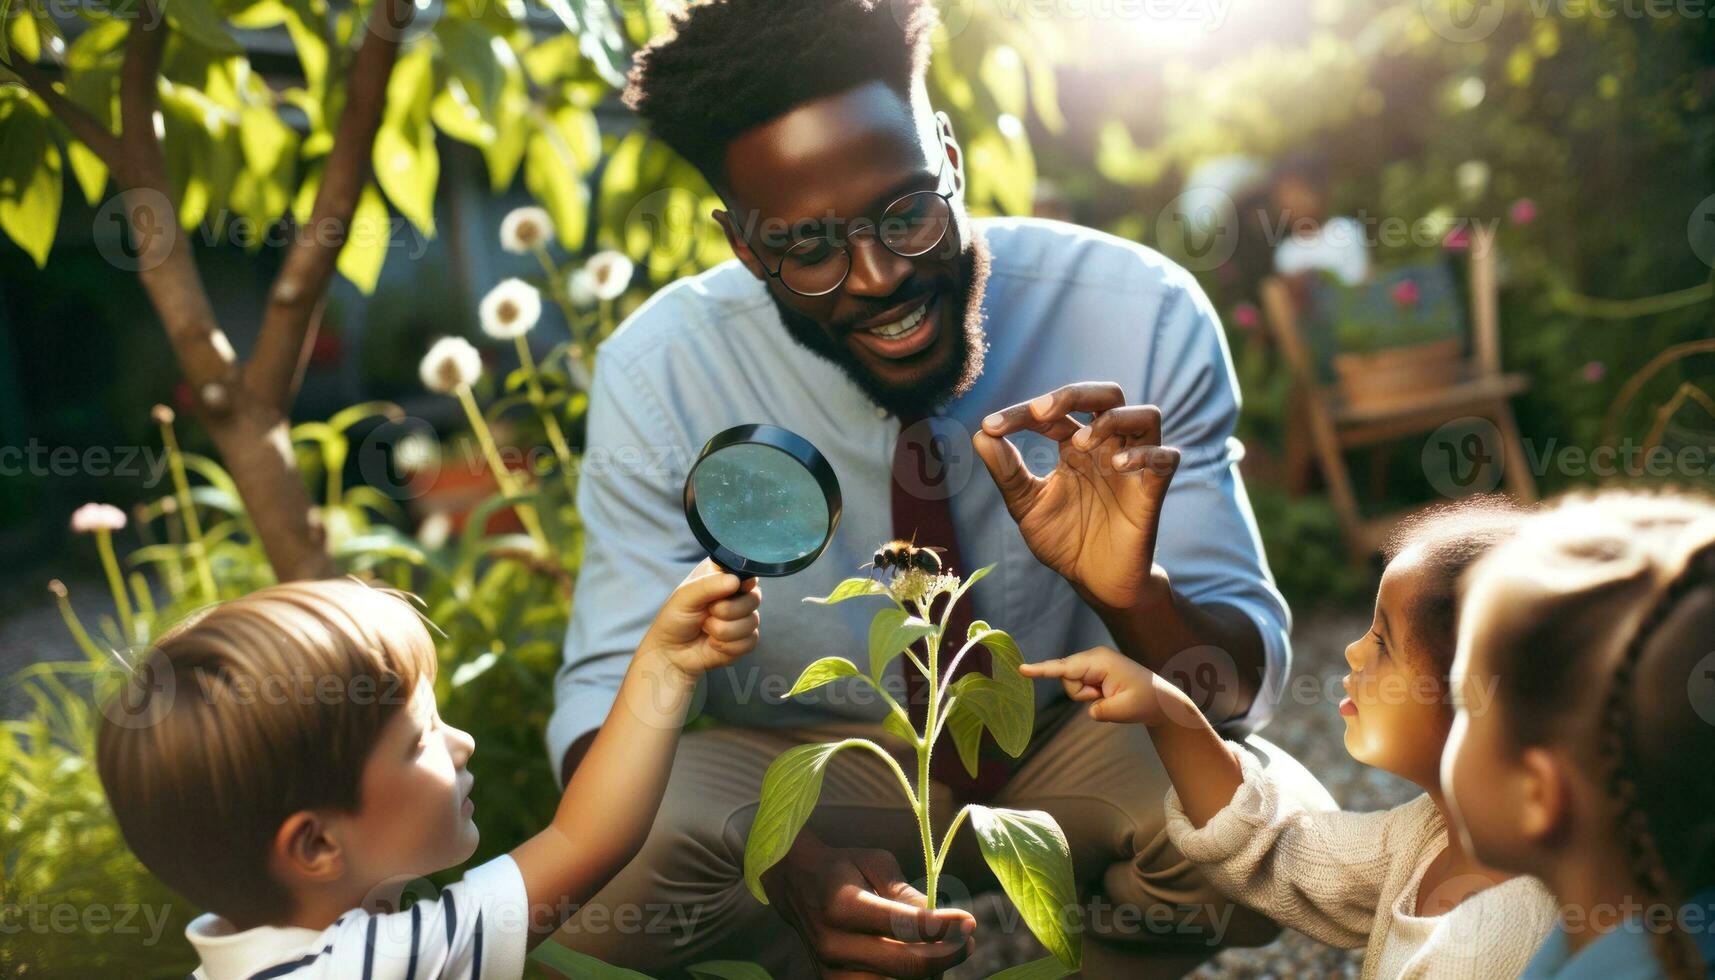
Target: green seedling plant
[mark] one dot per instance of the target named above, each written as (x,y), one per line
(1025,849)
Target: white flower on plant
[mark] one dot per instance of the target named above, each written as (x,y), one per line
(435,530)
(416,453)
(97,517)
(610,274)
(451,363)
(524,230)
(510,309)
(580,286)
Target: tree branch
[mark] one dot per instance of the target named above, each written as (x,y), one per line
(165,263)
(89,130)
(272,371)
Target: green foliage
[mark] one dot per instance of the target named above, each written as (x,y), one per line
(500,604)
(83,906)
(1026,850)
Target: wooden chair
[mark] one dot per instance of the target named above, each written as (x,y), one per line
(1334,427)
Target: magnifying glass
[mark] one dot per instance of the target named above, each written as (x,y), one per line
(762,500)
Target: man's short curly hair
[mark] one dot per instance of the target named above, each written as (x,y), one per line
(731,65)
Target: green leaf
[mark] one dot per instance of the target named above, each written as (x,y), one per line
(591,22)
(200,21)
(407,165)
(551,175)
(890,633)
(476,668)
(824,671)
(974,578)
(790,789)
(1046,968)
(366,246)
(31,182)
(728,970)
(851,588)
(18,35)
(967,729)
(1006,658)
(569,962)
(311,47)
(1030,858)
(897,725)
(993,707)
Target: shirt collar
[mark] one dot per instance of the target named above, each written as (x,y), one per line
(228,952)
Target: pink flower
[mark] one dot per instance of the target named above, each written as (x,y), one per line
(97,517)
(1457,240)
(1405,293)
(1523,211)
(1247,316)
(1594,371)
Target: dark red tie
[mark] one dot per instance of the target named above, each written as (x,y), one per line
(923,512)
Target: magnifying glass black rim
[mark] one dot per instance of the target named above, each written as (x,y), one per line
(793,445)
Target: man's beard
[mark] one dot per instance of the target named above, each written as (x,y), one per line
(948,381)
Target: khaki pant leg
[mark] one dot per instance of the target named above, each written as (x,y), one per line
(1147,910)
(683,900)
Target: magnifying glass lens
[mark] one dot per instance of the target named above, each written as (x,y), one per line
(761,500)
(761,503)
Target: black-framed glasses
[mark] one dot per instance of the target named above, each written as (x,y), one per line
(914,224)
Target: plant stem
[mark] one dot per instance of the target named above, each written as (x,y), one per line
(556,437)
(188,513)
(116,582)
(75,625)
(931,870)
(947,841)
(502,476)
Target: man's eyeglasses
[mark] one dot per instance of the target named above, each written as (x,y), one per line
(912,225)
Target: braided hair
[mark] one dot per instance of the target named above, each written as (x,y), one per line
(1644,830)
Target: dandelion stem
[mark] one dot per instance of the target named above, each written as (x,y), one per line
(116,582)
(556,437)
(502,476)
(73,624)
(188,512)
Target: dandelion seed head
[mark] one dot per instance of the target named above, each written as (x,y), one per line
(610,274)
(451,363)
(510,309)
(162,415)
(526,229)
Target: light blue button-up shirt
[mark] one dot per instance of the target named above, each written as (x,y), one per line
(1063,304)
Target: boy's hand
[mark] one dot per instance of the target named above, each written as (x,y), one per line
(1118,688)
(709,621)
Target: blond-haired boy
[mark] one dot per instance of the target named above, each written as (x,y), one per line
(293,775)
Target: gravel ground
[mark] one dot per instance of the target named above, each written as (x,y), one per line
(1312,733)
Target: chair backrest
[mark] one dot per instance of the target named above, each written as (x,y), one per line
(1306,315)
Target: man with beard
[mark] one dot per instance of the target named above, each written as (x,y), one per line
(868,312)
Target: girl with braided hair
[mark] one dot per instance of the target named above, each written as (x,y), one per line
(1593,635)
